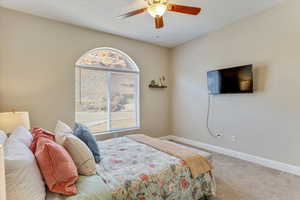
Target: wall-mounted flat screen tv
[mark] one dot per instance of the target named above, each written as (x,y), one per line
(231,80)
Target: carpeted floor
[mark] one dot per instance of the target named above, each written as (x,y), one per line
(240,180)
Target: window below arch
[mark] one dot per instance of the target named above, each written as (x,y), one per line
(107,91)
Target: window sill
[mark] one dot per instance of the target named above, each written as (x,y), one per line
(116,131)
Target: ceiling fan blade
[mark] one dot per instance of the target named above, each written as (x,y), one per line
(184,9)
(132,13)
(159,22)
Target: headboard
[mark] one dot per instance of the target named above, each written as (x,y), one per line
(2,175)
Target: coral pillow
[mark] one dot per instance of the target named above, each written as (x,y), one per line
(57,167)
(38,133)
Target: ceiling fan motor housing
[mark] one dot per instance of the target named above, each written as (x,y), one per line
(153,2)
(157,8)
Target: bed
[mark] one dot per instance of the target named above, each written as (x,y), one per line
(130,170)
(137,171)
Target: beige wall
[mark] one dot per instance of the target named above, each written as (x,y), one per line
(37,58)
(265,123)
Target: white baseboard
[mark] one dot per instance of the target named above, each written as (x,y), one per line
(243,156)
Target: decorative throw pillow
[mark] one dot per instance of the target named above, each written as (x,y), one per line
(38,133)
(22,135)
(61,131)
(57,167)
(83,133)
(23,177)
(81,155)
(78,150)
(3,137)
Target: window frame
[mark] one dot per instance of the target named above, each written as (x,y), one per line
(109,89)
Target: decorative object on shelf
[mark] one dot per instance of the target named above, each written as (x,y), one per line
(161,83)
(153,83)
(9,121)
(163,80)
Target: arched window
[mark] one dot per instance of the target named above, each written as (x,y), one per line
(107,91)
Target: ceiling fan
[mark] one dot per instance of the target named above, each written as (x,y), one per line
(157,8)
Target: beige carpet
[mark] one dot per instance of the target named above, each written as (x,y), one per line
(240,180)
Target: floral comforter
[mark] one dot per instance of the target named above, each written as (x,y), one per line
(132,170)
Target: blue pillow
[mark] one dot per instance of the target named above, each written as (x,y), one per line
(84,134)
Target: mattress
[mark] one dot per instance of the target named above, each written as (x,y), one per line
(132,170)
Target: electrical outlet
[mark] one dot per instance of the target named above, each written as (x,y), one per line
(233,138)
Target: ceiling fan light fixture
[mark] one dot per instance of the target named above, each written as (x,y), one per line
(157,9)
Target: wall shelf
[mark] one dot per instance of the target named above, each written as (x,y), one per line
(157,86)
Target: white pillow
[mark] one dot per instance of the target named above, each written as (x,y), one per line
(22,135)
(23,178)
(3,137)
(61,131)
(81,155)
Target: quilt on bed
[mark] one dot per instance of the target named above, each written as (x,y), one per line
(132,170)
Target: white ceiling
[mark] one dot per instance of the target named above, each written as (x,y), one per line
(179,28)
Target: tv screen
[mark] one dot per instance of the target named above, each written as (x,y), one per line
(231,80)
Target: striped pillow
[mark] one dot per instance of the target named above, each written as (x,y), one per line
(81,155)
